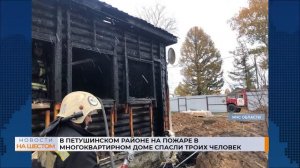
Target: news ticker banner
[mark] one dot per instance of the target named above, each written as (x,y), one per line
(142,144)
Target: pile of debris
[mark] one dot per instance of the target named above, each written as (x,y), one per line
(215,126)
(199,113)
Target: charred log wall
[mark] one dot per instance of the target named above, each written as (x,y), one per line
(75,30)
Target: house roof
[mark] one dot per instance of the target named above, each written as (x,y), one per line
(124,17)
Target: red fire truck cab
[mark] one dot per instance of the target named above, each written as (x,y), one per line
(236,100)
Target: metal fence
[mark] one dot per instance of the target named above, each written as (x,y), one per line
(216,103)
(213,103)
(257,99)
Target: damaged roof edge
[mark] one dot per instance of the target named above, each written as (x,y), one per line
(105,8)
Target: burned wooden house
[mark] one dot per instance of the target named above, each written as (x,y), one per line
(91,46)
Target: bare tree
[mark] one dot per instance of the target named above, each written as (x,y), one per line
(251,23)
(157,16)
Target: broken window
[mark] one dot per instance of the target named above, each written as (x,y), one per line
(92,72)
(140,79)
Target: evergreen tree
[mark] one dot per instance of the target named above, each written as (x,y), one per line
(243,72)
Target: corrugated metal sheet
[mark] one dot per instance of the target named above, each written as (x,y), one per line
(196,103)
(173,105)
(257,99)
(213,103)
(217,103)
(216,99)
(217,108)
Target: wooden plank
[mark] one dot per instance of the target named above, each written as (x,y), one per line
(109,32)
(162,51)
(139,60)
(137,120)
(43,22)
(126,110)
(131,121)
(116,113)
(132,40)
(82,46)
(79,18)
(145,49)
(81,39)
(153,74)
(47,118)
(70,53)
(43,37)
(116,74)
(132,46)
(74,23)
(36,106)
(157,60)
(145,43)
(132,53)
(122,129)
(82,32)
(44,30)
(139,51)
(42,5)
(42,13)
(120,52)
(56,110)
(105,46)
(151,119)
(145,55)
(168,107)
(126,70)
(103,26)
(107,39)
(155,51)
(104,51)
(58,58)
(94,32)
(112,121)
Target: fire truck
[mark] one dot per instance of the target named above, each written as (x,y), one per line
(237,100)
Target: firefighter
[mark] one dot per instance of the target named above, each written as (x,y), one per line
(73,119)
(39,74)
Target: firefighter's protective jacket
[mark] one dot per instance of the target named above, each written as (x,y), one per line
(69,159)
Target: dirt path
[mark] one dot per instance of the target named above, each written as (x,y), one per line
(218,125)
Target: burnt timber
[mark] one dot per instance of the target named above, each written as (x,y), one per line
(94,47)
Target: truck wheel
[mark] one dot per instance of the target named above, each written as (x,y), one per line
(238,109)
(231,108)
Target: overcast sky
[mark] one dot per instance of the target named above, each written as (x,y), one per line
(211,15)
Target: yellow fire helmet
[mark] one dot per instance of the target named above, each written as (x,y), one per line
(79,101)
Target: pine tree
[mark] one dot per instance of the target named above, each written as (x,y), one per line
(243,72)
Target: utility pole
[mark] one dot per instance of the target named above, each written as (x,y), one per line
(256,72)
